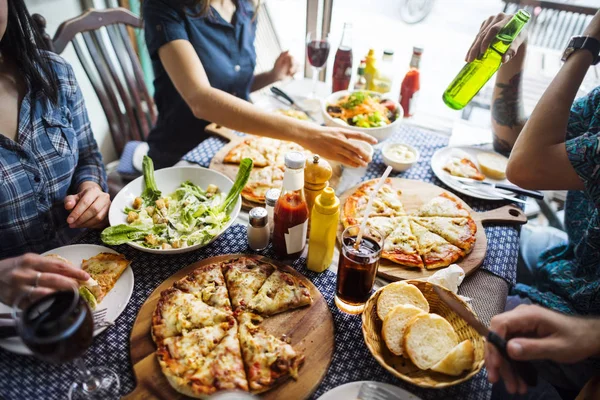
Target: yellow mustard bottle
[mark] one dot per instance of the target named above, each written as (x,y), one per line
(325,217)
(316,178)
(371,69)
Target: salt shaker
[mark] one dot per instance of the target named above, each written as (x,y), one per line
(258,229)
(271,199)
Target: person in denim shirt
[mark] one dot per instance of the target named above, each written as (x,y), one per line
(203,58)
(52,180)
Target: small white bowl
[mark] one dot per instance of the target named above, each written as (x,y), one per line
(380,133)
(365,146)
(398,165)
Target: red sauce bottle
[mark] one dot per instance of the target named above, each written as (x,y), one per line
(342,66)
(411,84)
(291,212)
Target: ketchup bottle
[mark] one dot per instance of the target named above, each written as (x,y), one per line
(342,66)
(291,212)
(411,84)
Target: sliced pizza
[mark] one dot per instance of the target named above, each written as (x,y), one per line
(386,202)
(208,283)
(261,180)
(280,292)
(178,312)
(267,358)
(458,231)
(244,277)
(444,205)
(401,246)
(105,270)
(436,251)
(463,167)
(285,147)
(247,149)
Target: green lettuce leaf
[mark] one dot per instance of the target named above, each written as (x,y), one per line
(240,182)
(151,193)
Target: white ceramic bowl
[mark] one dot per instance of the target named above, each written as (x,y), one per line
(397,165)
(380,133)
(167,180)
(365,146)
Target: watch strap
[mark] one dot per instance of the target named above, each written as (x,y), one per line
(584,43)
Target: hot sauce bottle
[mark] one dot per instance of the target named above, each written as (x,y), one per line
(411,84)
(291,211)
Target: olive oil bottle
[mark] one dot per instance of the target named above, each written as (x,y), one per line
(476,73)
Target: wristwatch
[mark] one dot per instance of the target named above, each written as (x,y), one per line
(583,42)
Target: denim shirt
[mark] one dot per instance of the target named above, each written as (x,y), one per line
(228,56)
(53,153)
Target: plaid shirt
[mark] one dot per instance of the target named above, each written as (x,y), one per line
(53,154)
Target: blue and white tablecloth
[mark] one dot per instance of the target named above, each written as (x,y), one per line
(25,378)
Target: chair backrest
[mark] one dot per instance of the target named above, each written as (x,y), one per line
(104,48)
(267,42)
(552,24)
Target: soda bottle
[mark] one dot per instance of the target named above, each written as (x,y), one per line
(342,66)
(361,82)
(475,74)
(411,84)
(385,77)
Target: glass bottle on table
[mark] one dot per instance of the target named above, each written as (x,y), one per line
(361,81)
(382,83)
(411,84)
(291,210)
(475,74)
(342,66)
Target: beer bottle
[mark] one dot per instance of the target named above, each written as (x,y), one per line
(476,73)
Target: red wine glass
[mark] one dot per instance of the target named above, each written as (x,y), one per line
(317,51)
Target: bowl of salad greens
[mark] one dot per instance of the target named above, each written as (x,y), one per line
(175,210)
(363,111)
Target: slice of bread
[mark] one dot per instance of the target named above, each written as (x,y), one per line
(493,165)
(400,293)
(427,339)
(395,324)
(459,359)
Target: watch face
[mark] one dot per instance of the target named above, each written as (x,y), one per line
(568,51)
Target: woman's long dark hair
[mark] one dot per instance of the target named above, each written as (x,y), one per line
(22,43)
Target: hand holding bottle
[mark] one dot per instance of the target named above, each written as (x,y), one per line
(488,31)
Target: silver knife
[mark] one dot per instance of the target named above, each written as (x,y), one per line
(491,192)
(524,369)
(504,186)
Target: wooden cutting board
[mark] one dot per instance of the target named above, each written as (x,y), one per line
(230,170)
(417,193)
(310,330)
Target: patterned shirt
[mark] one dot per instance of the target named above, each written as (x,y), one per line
(568,276)
(53,153)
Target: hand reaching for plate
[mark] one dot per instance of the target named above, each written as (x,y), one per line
(333,144)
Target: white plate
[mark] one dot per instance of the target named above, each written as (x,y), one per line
(168,180)
(442,156)
(115,301)
(350,391)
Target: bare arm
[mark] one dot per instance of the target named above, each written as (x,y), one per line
(262,80)
(284,67)
(189,77)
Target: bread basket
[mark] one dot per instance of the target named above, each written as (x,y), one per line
(402,367)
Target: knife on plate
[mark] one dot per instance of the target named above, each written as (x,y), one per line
(535,194)
(281,94)
(523,369)
(486,191)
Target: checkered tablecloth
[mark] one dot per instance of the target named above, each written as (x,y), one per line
(24,378)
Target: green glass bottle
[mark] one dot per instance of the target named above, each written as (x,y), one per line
(476,73)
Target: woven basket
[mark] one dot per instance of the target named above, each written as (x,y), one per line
(402,367)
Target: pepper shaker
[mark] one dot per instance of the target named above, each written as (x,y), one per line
(258,229)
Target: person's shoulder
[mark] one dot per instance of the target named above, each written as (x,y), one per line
(153,8)
(63,70)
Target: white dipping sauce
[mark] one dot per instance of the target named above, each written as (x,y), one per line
(400,153)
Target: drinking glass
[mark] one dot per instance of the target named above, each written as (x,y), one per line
(59,328)
(317,51)
(357,268)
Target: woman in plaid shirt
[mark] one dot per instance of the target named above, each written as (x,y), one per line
(52,180)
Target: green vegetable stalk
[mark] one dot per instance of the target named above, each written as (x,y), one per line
(240,182)
(151,193)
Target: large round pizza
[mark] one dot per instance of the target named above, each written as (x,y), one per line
(436,235)
(207,328)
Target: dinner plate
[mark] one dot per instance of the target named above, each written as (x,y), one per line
(350,391)
(115,301)
(442,156)
(167,181)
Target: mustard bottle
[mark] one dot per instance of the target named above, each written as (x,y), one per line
(316,178)
(371,69)
(325,217)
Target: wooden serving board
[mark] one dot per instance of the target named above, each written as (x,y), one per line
(310,330)
(417,193)
(230,170)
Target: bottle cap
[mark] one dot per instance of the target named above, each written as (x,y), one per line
(258,217)
(418,50)
(294,160)
(271,197)
(388,52)
(327,203)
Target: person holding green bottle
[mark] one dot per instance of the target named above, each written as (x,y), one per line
(556,148)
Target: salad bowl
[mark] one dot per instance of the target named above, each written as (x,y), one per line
(168,180)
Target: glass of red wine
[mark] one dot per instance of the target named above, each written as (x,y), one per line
(59,328)
(317,51)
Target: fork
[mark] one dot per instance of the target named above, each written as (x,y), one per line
(99,317)
(370,391)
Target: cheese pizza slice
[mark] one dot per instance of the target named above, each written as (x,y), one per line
(285,147)
(401,245)
(436,251)
(267,358)
(178,312)
(458,231)
(280,292)
(208,283)
(244,277)
(386,202)
(261,180)
(463,167)
(246,149)
(444,205)
(105,269)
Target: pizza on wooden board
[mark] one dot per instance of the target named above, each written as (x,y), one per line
(436,235)
(205,345)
